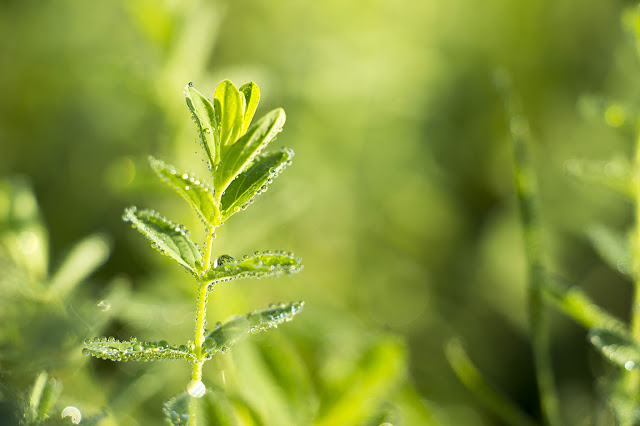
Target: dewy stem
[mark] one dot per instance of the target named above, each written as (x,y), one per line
(635,246)
(201,317)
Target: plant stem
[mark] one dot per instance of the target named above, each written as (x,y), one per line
(201,318)
(528,198)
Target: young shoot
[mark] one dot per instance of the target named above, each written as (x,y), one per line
(240,171)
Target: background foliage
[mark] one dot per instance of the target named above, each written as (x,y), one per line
(400,199)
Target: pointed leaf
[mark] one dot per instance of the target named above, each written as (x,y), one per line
(253,181)
(616,174)
(617,346)
(204,117)
(259,265)
(237,157)
(613,247)
(196,192)
(167,237)
(228,106)
(225,335)
(115,350)
(251,95)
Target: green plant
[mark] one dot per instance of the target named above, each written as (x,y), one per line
(239,171)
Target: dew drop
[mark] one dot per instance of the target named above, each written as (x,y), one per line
(72,412)
(629,365)
(104,305)
(196,389)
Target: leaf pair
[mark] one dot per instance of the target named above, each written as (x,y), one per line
(223,127)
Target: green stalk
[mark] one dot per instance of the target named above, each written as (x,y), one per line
(527,193)
(201,317)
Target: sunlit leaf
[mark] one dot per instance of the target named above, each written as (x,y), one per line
(616,174)
(239,155)
(115,350)
(613,247)
(195,191)
(167,237)
(43,396)
(204,117)
(251,95)
(229,109)
(253,181)
(617,346)
(225,335)
(259,265)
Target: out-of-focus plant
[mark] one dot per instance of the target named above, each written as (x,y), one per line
(239,172)
(617,341)
(43,315)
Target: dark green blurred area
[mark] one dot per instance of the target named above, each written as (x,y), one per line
(400,199)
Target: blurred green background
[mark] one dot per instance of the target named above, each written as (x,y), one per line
(400,199)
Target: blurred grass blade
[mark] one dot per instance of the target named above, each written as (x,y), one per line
(238,156)
(376,376)
(526,186)
(22,232)
(167,237)
(253,181)
(215,408)
(43,396)
(617,346)
(133,350)
(204,117)
(266,264)
(612,113)
(251,95)
(193,190)
(571,300)
(616,174)
(225,335)
(469,375)
(613,247)
(85,258)
(228,107)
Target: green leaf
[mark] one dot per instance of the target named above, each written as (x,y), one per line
(43,396)
(253,181)
(195,191)
(613,247)
(617,346)
(115,350)
(204,117)
(167,237)
(267,264)
(251,95)
(225,335)
(229,109)
(616,173)
(238,156)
